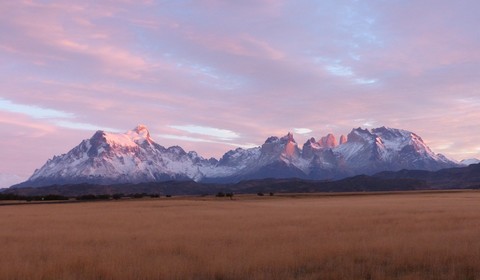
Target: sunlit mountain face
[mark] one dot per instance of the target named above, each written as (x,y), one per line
(134,157)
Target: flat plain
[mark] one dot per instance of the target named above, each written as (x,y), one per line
(389,236)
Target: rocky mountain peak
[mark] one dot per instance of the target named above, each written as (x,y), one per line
(271,139)
(391,133)
(284,146)
(309,148)
(328,141)
(360,135)
(98,138)
(288,138)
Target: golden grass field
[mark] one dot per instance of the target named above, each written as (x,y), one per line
(390,236)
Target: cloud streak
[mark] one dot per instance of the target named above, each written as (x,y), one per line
(223,134)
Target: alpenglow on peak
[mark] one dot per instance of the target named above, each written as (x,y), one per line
(140,134)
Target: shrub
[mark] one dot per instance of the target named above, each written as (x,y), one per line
(104,196)
(117,195)
(54,197)
(87,197)
(11,196)
(138,195)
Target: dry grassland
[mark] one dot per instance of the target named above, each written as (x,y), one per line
(409,236)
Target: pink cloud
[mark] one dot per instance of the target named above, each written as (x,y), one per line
(241,45)
(21,122)
(28,143)
(57,38)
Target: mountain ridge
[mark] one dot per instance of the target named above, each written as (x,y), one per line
(133,157)
(404,180)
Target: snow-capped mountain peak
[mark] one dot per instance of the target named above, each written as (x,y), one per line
(360,135)
(137,136)
(389,148)
(134,137)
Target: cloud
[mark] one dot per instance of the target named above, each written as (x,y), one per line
(223,134)
(365,81)
(113,60)
(32,110)
(203,140)
(84,126)
(58,118)
(29,142)
(340,70)
(302,130)
(22,123)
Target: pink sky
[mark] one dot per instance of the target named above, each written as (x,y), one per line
(214,75)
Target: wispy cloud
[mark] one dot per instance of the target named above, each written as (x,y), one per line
(203,140)
(84,126)
(223,134)
(56,117)
(302,130)
(32,110)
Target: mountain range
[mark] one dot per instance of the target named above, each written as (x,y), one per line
(456,178)
(133,157)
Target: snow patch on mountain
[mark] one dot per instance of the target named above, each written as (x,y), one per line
(470,161)
(132,138)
